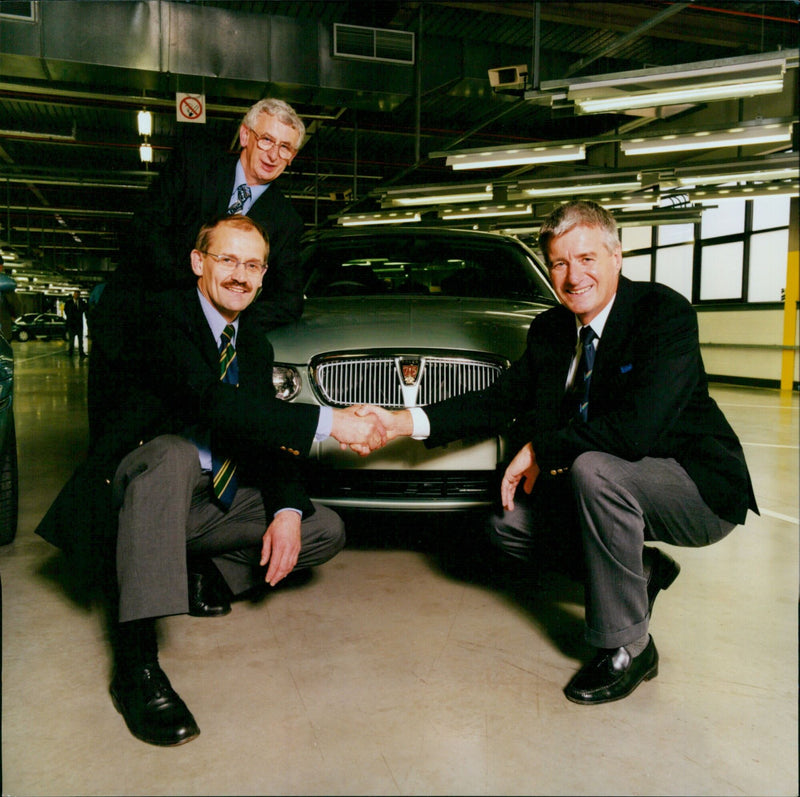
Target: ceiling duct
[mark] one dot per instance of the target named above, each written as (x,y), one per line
(373,44)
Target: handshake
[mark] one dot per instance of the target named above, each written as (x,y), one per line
(366,427)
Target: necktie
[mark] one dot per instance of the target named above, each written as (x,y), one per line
(242,194)
(224,480)
(584,374)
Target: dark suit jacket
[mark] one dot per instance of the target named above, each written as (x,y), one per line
(174,388)
(648,397)
(74,311)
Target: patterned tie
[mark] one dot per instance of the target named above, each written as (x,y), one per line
(243,194)
(584,374)
(224,480)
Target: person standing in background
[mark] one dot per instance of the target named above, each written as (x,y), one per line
(75,310)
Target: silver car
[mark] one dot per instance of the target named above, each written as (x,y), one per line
(403,317)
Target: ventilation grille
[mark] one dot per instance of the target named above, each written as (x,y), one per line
(373,44)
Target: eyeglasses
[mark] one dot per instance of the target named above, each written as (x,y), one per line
(227,263)
(265,143)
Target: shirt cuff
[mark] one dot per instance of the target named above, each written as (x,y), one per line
(324,424)
(289,509)
(421,428)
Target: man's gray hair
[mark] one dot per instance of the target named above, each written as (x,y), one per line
(578,213)
(282,111)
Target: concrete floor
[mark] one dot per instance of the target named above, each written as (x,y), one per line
(388,673)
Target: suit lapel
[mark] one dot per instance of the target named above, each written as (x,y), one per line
(221,188)
(198,327)
(616,334)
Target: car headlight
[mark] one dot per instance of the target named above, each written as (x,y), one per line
(287,382)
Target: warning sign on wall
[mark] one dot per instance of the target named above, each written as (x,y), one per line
(190,107)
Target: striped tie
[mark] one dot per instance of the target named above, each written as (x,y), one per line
(584,375)
(243,194)
(224,480)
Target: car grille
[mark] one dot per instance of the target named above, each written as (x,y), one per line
(355,486)
(393,381)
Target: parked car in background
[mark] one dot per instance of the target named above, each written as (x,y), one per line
(50,326)
(9,482)
(403,317)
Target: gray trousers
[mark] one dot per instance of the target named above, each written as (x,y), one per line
(165,513)
(615,506)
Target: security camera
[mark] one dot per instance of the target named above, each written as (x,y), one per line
(508,77)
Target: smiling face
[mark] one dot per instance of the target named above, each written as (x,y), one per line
(261,166)
(583,271)
(230,291)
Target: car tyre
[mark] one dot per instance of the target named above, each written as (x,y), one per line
(9,486)
(23,335)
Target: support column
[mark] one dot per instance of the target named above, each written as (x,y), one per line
(791,297)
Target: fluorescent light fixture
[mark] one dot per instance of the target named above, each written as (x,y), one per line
(145,153)
(750,176)
(485,210)
(637,202)
(680,96)
(514,156)
(144,121)
(787,187)
(658,217)
(704,81)
(436,195)
(439,199)
(394,217)
(734,137)
(572,187)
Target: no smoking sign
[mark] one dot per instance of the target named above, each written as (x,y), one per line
(190,107)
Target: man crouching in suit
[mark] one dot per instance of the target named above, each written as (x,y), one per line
(200,463)
(620,443)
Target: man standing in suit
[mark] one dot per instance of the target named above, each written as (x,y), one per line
(620,443)
(74,310)
(199,183)
(201,463)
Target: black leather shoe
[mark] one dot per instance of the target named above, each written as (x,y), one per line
(205,596)
(152,709)
(612,675)
(663,571)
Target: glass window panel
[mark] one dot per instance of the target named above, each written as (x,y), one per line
(727,218)
(637,267)
(767,275)
(674,268)
(770,211)
(675,233)
(636,238)
(721,271)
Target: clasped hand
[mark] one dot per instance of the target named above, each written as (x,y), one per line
(366,427)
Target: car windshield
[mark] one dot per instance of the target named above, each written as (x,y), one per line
(461,266)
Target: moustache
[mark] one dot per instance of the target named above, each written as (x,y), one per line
(234,283)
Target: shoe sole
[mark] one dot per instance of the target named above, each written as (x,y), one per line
(220,613)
